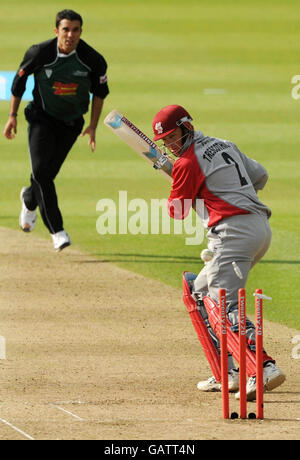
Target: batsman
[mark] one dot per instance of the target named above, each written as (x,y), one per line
(216,174)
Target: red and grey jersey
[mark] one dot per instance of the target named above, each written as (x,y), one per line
(63,83)
(223,178)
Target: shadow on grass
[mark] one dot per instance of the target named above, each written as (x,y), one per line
(162,258)
(141,258)
(291,262)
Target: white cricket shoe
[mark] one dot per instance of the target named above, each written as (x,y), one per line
(209,385)
(27,218)
(212,385)
(61,240)
(273,378)
(233,380)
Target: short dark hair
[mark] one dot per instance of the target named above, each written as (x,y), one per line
(68,14)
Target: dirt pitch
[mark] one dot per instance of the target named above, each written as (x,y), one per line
(96,352)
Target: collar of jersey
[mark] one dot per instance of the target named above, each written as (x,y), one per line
(62,55)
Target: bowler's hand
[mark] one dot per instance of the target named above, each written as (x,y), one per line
(10,129)
(92,134)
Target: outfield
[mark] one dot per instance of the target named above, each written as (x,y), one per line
(165,52)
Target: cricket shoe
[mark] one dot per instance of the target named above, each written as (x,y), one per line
(61,240)
(273,378)
(209,385)
(27,218)
(212,385)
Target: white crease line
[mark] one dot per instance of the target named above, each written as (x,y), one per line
(67,412)
(58,403)
(17,429)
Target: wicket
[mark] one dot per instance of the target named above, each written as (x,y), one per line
(224,352)
(242,355)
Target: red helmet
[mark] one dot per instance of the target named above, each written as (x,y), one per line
(168,119)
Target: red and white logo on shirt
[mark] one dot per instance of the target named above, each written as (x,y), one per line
(103,79)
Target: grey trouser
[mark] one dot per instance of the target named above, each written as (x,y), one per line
(243,239)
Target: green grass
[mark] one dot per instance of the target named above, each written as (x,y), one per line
(159,53)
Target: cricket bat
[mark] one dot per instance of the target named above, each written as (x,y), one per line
(139,142)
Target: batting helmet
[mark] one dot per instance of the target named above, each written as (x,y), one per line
(168,119)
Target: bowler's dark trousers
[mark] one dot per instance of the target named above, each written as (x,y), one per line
(50,141)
